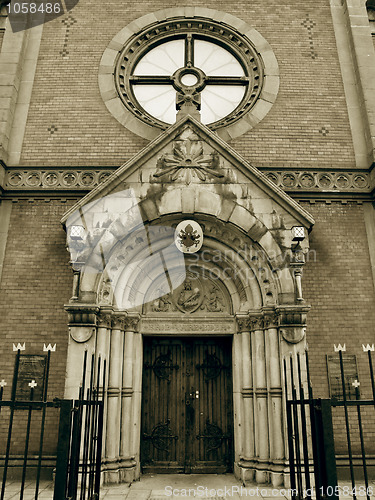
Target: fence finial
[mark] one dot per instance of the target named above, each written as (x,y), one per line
(356,383)
(3,383)
(49,347)
(19,346)
(339,347)
(368,347)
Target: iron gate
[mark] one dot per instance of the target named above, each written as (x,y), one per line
(79,439)
(310,424)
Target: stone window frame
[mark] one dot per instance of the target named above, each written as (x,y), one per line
(135,124)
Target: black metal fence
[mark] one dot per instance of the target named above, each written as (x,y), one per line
(311,432)
(28,418)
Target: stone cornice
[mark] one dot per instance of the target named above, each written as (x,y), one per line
(319,182)
(82,314)
(327,181)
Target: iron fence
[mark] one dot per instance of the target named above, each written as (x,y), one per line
(79,439)
(311,431)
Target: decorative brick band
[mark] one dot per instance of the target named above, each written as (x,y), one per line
(314,181)
(332,181)
(54,179)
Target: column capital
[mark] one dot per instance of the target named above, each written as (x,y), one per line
(131,322)
(119,321)
(82,314)
(243,323)
(294,315)
(256,320)
(105,318)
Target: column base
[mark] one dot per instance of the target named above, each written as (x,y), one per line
(260,471)
(122,470)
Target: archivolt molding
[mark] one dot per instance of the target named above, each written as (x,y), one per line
(226,216)
(227,256)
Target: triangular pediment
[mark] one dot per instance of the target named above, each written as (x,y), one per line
(188,154)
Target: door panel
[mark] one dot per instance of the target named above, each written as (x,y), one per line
(187,416)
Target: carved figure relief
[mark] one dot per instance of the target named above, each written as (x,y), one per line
(190,297)
(188,160)
(196,293)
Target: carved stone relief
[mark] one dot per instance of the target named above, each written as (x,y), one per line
(196,294)
(188,161)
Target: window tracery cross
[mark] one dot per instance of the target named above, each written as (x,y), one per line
(189,70)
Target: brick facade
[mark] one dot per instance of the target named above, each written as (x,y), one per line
(35,285)
(307,127)
(67,125)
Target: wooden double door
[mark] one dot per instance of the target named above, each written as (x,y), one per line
(187,405)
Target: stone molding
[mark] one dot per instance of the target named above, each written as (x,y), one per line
(291,180)
(288,318)
(54,179)
(82,314)
(193,326)
(325,180)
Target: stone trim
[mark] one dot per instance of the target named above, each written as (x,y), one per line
(191,326)
(357,61)
(54,179)
(330,181)
(112,53)
(5,212)
(335,181)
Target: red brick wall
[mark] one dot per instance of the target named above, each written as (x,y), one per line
(338,284)
(310,103)
(35,285)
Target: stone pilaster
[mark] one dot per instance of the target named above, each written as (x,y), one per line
(275,409)
(113,428)
(127,458)
(82,337)
(260,398)
(248,444)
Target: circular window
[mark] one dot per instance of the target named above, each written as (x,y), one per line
(188,59)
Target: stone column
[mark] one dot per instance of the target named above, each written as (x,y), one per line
(103,337)
(275,398)
(137,401)
(247,421)
(82,329)
(127,459)
(260,399)
(292,339)
(114,399)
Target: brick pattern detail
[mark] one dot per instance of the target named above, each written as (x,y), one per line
(67,94)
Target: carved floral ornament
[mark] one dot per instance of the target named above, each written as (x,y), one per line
(188,161)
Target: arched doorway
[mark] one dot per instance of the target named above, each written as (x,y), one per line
(231,289)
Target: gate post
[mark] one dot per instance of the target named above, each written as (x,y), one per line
(63,447)
(323,440)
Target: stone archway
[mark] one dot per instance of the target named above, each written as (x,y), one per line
(260,315)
